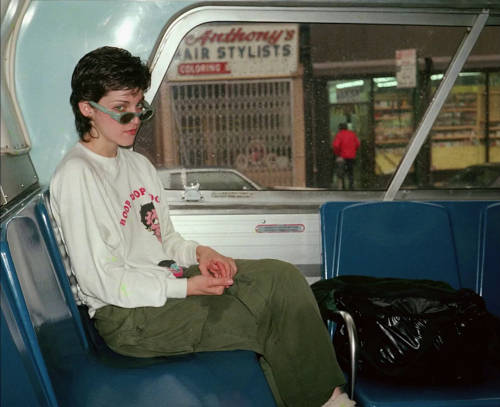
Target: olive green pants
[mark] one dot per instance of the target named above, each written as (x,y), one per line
(270,309)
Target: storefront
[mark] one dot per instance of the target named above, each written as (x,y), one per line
(383,88)
(233,98)
(466,132)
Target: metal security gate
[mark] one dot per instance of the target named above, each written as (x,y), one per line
(245,125)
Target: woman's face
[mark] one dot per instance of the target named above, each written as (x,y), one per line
(107,134)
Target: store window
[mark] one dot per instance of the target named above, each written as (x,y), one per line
(267,101)
(394,123)
(457,137)
(244,125)
(232,99)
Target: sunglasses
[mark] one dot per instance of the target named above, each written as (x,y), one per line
(126,117)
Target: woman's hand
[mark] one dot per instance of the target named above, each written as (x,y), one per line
(212,263)
(207,285)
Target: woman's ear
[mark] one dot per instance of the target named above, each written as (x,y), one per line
(85,109)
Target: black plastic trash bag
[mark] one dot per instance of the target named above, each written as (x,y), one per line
(414,331)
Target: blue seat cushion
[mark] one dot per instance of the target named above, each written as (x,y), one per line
(102,377)
(372,392)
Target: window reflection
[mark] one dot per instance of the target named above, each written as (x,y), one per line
(267,100)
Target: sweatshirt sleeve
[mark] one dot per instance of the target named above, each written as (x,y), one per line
(174,245)
(83,212)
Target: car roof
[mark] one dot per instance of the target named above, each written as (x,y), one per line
(194,169)
(485,165)
(244,177)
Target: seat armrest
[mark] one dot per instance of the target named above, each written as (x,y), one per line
(353,346)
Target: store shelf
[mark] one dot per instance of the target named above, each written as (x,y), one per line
(458,109)
(451,138)
(392,109)
(494,104)
(392,142)
(393,116)
(460,119)
(454,128)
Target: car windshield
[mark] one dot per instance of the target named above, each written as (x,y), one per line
(477,176)
(213,180)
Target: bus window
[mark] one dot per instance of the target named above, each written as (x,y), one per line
(463,150)
(267,100)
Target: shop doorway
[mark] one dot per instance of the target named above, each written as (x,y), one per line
(358,118)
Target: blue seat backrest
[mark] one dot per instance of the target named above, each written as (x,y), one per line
(42,289)
(42,213)
(489,258)
(396,239)
(22,382)
(23,249)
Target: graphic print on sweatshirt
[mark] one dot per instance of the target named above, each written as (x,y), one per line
(149,218)
(135,194)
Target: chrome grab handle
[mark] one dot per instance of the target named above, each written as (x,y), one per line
(353,345)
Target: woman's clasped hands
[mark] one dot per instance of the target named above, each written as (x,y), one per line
(217,272)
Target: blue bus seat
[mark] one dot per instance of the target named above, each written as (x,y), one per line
(396,239)
(489,258)
(406,240)
(23,382)
(72,373)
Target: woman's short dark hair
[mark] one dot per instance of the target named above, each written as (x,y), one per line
(103,70)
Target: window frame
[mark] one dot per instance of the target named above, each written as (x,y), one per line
(475,20)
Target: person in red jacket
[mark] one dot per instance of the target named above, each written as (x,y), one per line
(345,145)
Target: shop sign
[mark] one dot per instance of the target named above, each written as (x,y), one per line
(236,51)
(406,68)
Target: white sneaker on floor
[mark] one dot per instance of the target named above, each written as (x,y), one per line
(342,400)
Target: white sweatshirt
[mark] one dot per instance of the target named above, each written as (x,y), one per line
(105,208)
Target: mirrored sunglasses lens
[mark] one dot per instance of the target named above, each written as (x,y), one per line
(127,118)
(146,115)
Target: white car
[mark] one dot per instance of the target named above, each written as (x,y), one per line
(211,179)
